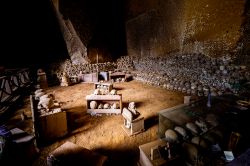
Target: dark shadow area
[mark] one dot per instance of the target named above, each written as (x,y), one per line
(12,108)
(76,118)
(118,88)
(122,157)
(100,25)
(151,121)
(31,35)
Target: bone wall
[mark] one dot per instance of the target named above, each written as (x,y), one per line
(75,69)
(194,74)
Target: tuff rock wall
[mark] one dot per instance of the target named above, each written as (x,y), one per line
(76,49)
(208,27)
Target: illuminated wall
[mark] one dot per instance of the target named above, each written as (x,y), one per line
(160,27)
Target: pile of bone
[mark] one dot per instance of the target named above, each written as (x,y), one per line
(100,105)
(104,92)
(125,63)
(192,74)
(73,70)
(46,102)
(102,89)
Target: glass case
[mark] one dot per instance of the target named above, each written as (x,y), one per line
(182,114)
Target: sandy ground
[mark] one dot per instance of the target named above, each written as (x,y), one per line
(104,133)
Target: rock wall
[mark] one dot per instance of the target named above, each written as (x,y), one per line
(243,47)
(157,31)
(208,27)
(212,27)
(76,49)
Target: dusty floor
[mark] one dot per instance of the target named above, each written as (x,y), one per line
(104,134)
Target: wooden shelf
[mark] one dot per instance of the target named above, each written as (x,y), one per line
(105,85)
(104,111)
(104,99)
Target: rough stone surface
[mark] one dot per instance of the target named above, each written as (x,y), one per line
(76,49)
(208,27)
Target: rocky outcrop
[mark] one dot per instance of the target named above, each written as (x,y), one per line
(76,49)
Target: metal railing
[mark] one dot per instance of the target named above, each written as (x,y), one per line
(13,82)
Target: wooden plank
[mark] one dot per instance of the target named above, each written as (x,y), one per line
(103,97)
(104,111)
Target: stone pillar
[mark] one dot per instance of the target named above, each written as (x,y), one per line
(56,4)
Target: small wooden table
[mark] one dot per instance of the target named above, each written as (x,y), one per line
(104,99)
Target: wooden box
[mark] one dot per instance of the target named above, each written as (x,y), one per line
(103,76)
(52,126)
(42,80)
(105,85)
(137,126)
(104,99)
(145,154)
(91,77)
(116,75)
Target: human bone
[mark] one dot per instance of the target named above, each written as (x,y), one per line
(181,131)
(38,95)
(191,153)
(115,105)
(199,141)
(192,127)
(201,124)
(132,108)
(171,136)
(113,92)
(212,119)
(45,102)
(93,104)
(106,106)
(97,92)
(174,70)
(127,114)
(38,91)
(64,79)
(100,106)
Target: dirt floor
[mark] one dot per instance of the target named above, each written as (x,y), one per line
(104,133)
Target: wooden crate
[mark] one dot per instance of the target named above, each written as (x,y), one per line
(91,77)
(105,84)
(117,75)
(47,127)
(52,126)
(104,99)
